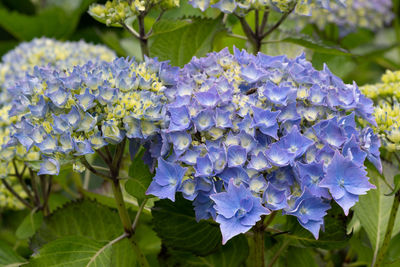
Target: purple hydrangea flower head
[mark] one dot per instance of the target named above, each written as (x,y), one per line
(269,126)
(238,210)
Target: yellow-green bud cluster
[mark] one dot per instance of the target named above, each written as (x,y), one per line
(386,96)
(114,13)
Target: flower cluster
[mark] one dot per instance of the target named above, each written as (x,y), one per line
(112,13)
(246,135)
(47,52)
(71,114)
(302,7)
(386,96)
(38,52)
(370,14)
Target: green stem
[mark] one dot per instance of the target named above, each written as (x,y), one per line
(143,40)
(257,245)
(389,231)
(122,211)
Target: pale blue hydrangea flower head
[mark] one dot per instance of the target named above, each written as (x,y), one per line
(370,14)
(271,129)
(42,52)
(68,114)
(303,7)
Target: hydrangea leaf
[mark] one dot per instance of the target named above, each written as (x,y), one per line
(233,254)
(49,22)
(176,224)
(373,209)
(180,45)
(29,225)
(90,220)
(73,251)
(185,10)
(140,178)
(8,257)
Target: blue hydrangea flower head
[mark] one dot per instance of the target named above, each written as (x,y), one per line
(21,64)
(77,111)
(268,126)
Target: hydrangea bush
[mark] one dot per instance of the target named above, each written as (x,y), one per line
(248,135)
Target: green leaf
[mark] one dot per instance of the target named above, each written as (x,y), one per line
(396,181)
(299,257)
(373,209)
(180,41)
(176,224)
(73,251)
(8,257)
(186,10)
(140,178)
(393,253)
(90,220)
(82,218)
(333,237)
(29,225)
(316,46)
(53,21)
(233,254)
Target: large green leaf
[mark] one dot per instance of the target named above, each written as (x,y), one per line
(29,225)
(373,209)
(233,254)
(334,235)
(8,257)
(140,178)
(82,218)
(53,21)
(73,251)
(176,224)
(91,220)
(299,257)
(180,41)
(185,10)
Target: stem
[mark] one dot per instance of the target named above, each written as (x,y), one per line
(256,23)
(389,231)
(264,21)
(122,211)
(9,188)
(35,188)
(46,196)
(269,219)
(93,170)
(248,31)
(257,245)
(21,180)
(143,40)
(135,222)
(274,27)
